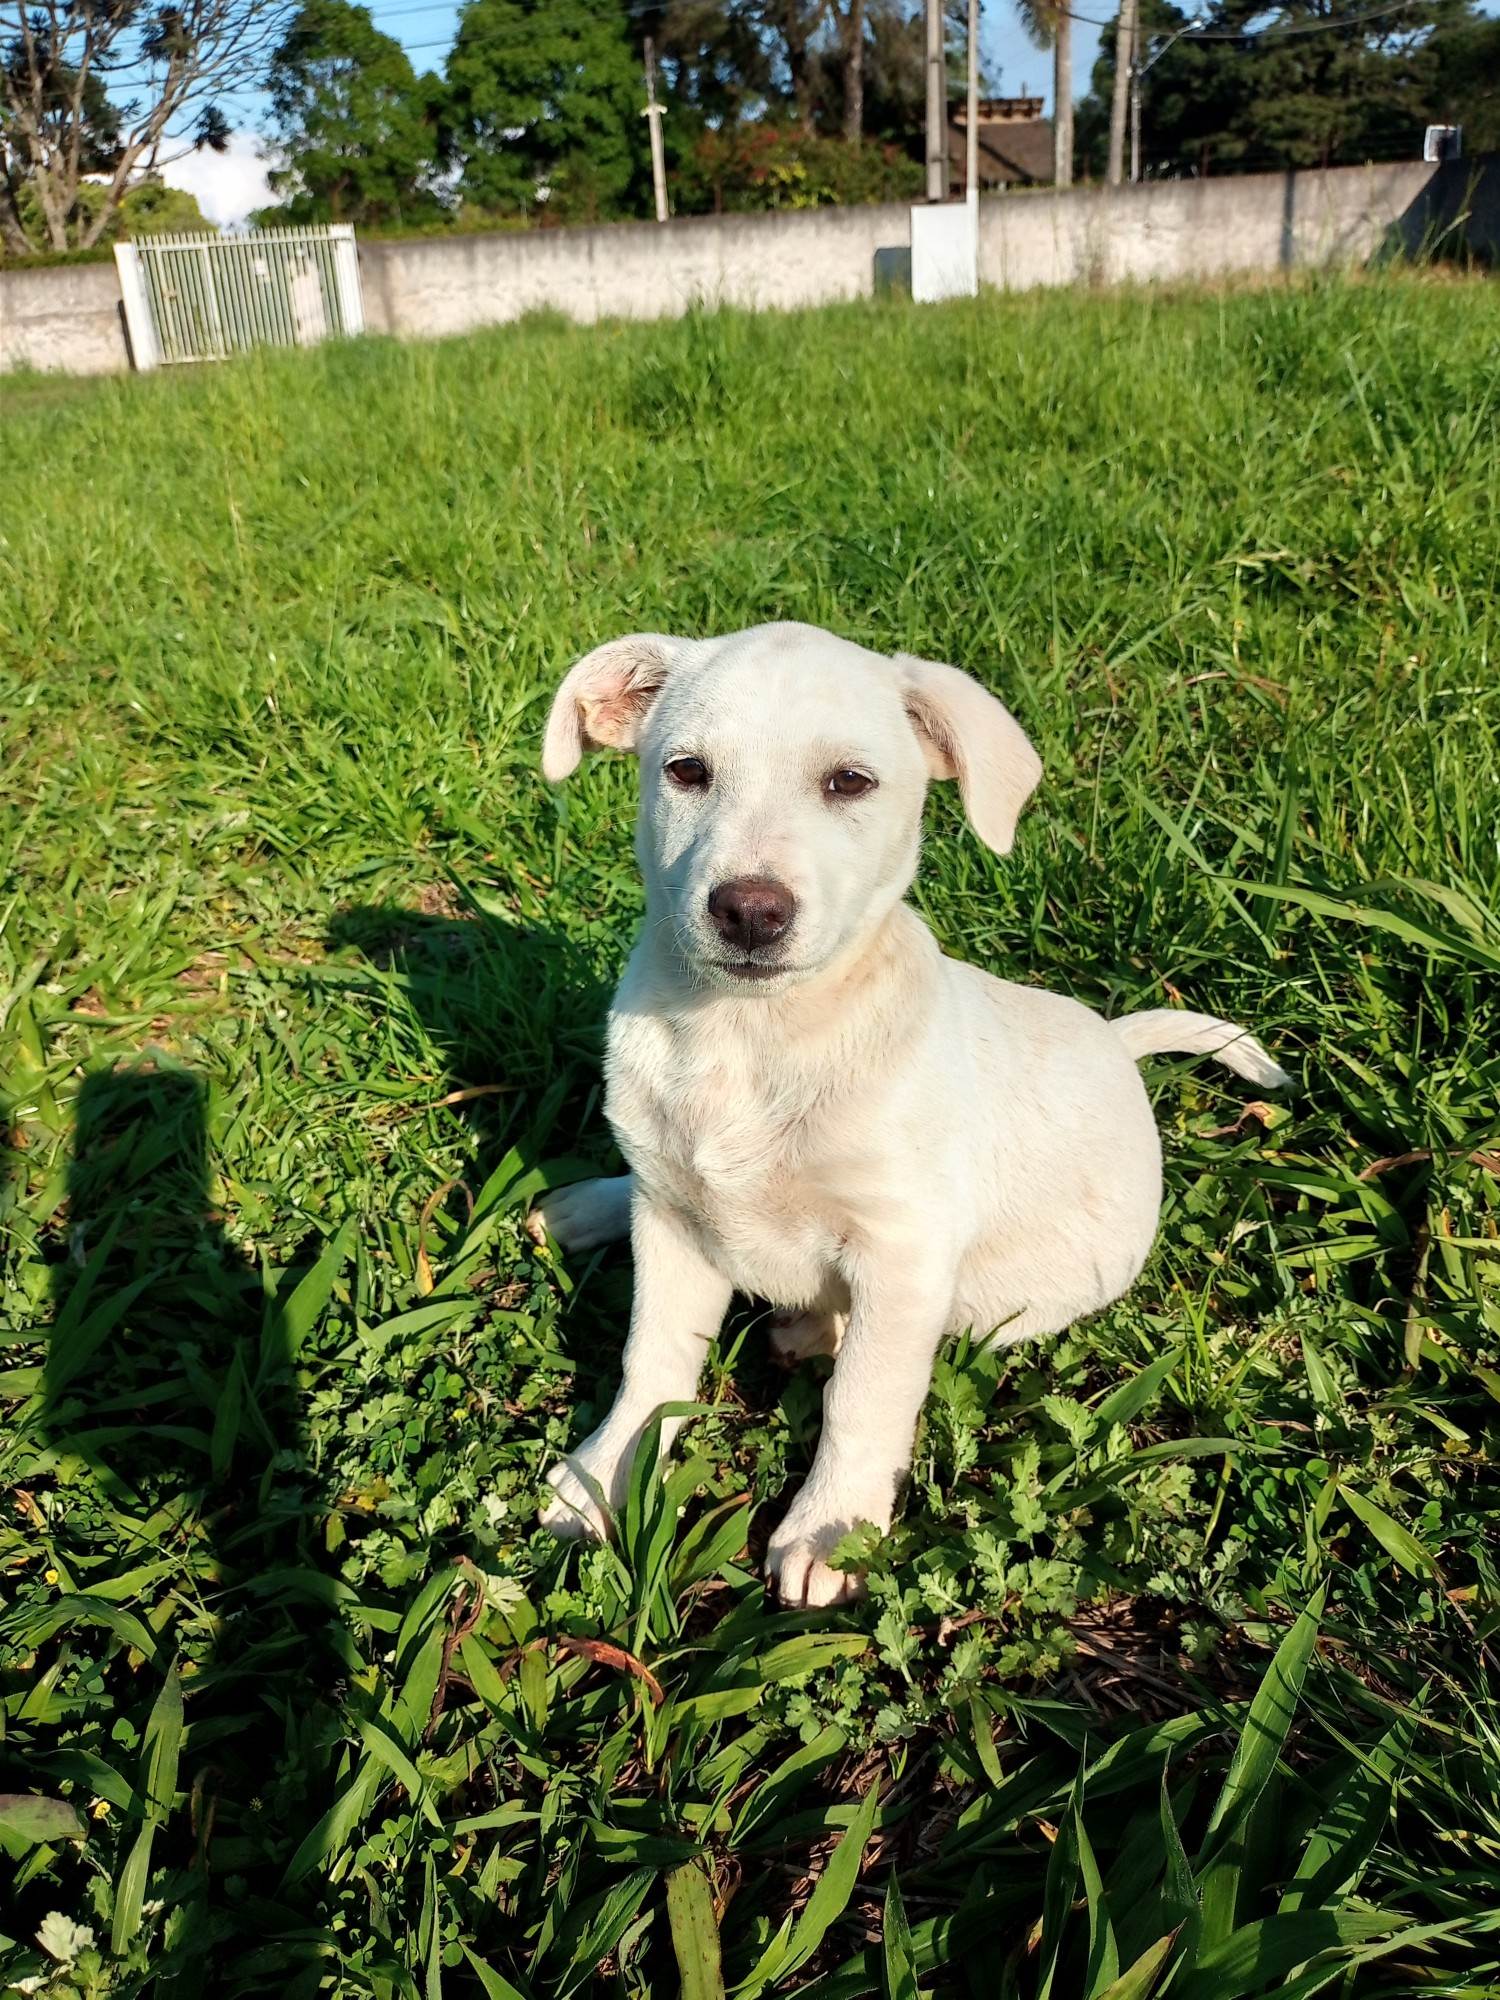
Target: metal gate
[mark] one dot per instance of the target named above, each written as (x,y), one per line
(200,298)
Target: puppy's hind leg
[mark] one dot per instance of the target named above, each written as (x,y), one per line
(585,1216)
(796,1336)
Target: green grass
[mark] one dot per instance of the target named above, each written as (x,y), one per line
(1177,1675)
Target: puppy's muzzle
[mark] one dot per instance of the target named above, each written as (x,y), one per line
(751,912)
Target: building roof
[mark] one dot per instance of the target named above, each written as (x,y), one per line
(1011,149)
(1001,110)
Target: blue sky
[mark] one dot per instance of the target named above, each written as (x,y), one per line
(1023,66)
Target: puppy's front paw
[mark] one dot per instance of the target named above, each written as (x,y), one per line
(798,1560)
(802,1580)
(576,1510)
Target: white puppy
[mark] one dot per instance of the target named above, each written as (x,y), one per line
(818,1108)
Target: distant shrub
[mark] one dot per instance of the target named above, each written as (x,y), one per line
(752,167)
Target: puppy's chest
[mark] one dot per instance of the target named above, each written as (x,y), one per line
(727,1137)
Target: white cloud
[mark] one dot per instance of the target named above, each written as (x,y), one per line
(228,184)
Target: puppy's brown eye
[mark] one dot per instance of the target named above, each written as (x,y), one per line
(689,772)
(848,784)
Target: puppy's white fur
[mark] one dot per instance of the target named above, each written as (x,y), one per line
(886,1144)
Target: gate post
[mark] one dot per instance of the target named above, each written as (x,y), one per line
(346,264)
(145,348)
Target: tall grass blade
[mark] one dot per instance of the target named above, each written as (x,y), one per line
(695,1932)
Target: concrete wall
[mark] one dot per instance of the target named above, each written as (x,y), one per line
(63,316)
(1457,210)
(633,270)
(1193,229)
(68,317)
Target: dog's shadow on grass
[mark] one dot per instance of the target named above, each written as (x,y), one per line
(498,1025)
(172,1428)
(515,1013)
(502,1024)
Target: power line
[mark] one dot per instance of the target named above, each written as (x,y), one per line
(636,8)
(633,10)
(641,7)
(1264,34)
(1299,28)
(1242,35)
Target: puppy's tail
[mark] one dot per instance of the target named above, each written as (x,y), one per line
(1167,1031)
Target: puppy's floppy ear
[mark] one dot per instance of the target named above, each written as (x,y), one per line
(604,698)
(968,735)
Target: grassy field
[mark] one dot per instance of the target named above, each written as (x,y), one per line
(1177,1676)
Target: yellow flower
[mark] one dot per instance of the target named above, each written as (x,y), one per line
(100,1809)
(49,1576)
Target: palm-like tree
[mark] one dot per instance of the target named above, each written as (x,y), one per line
(1050,26)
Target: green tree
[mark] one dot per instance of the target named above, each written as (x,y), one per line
(543,109)
(151,208)
(717,64)
(1305,87)
(1466,88)
(354,129)
(896,75)
(872,86)
(63,98)
(794,63)
(166,63)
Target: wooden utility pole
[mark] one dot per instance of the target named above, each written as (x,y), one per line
(937,104)
(1119,101)
(1062,92)
(971,137)
(851,27)
(654,116)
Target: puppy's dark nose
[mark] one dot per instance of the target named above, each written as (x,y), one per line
(751,911)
